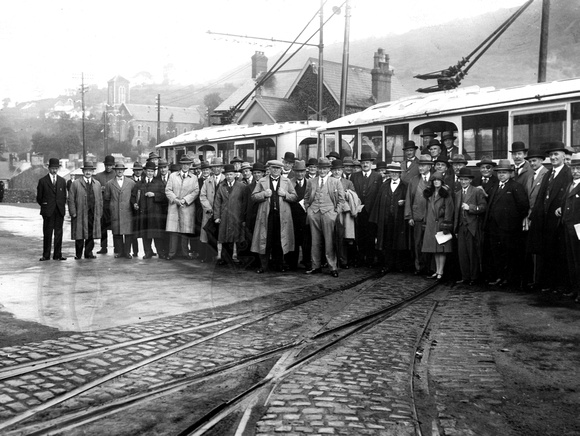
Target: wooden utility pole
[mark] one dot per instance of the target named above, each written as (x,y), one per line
(345,57)
(158,118)
(83,89)
(543,59)
(320,64)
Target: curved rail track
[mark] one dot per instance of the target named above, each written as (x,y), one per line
(283,337)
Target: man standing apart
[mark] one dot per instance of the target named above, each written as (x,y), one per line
(324,200)
(182,189)
(274,232)
(103,178)
(85,205)
(51,196)
(366,184)
(118,197)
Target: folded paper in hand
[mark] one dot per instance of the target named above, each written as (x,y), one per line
(442,238)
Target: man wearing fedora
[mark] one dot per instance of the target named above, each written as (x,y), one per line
(85,206)
(507,207)
(381,168)
(137,172)
(51,196)
(546,234)
(522,169)
(311,168)
(302,238)
(427,135)
(434,149)
(207,197)
(348,163)
(366,184)
(570,213)
(410,166)
(181,190)
(469,212)
(323,201)
(118,196)
(458,162)
(288,160)
(154,157)
(443,165)
(237,163)
(273,235)
(449,148)
(149,200)
(388,215)
(103,178)
(415,209)
(137,177)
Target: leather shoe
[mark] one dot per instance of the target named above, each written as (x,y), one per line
(42,259)
(314,271)
(102,251)
(260,271)
(91,256)
(495,282)
(460,282)
(128,256)
(219,262)
(334,273)
(78,257)
(60,258)
(148,256)
(170,257)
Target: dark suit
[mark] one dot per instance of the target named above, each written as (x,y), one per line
(503,224)
(301,229)
(571,217)
(487,186)
(409,171)
(523,174)
(367,189)
(546,235)
(52,200)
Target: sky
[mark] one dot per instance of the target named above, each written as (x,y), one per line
(46,45)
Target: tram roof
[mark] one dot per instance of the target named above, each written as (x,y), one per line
(238,132)
(457,100)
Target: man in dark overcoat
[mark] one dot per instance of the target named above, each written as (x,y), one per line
(508,206)
(389,216)
(149,199)
(301,240)
(570,212)
(85,206)
(117,195)
(486,177)
(366,184)
(410,166)
(103,178)
(546,234)
(51,196)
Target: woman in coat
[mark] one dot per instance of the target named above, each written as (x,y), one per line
(229,211)
(389,215)
(438,218)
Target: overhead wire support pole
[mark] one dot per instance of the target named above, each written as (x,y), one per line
(320,64)
(345,59)
(83,89)
(543,56)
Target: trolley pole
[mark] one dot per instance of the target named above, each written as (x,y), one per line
(158,118)
(345,56)
(543,59)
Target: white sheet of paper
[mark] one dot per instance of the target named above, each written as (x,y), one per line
(442,238)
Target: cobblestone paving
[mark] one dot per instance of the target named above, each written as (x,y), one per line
(20,393)
(361,387)
(462,364)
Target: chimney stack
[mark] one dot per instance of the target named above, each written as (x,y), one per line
(259,64)
(381,77)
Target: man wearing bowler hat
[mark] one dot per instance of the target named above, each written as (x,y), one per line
(103,178)
(288,160)
(301,240)
(546,234)
(366,184)
(118,195)
(410,166)
(85,206)
(51,196)
(522,170)
(323,201)
(206,197)
(434,149)
(486,177)
(469,212)
(311,168)
(427,135)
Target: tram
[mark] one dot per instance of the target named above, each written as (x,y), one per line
(259,143)
(485,121)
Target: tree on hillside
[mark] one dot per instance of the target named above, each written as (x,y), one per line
(211,101)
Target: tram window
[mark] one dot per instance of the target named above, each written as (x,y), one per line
(372,142)
(308,149)
(226,151)
(485,135)
(576,126)
(535,130)
(348,144)
(265,150)
(246,152)
(329,145)
(395,137)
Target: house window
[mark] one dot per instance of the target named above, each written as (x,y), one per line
(148,133)
(184,130)
(139,130)
(122,94)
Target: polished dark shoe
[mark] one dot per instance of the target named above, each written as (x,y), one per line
(219,262)
(148,256)
(42,259)
(169,257)
(128,256)
(117,256)
(153,254)
(103,251)
(190,257)
(433,276)
(135,255)
(460,282)
(334,273)
(91,256)
(314,271)
(60,258)
(495,282)
(78,257)
(385,270)
(260,271)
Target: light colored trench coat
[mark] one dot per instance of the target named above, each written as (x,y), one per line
(77,205)
(120,205)
(181,219)
(260,235)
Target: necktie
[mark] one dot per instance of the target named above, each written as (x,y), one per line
(501,185)
(54,180)
(552,175)
(485,179)
(322,182)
